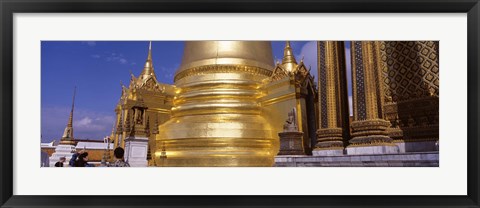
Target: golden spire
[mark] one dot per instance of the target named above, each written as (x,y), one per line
(112,135)
(148,67)
(70,119)
(149,57)
(289,63)
(68,132)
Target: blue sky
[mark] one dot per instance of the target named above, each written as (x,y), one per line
(98,67)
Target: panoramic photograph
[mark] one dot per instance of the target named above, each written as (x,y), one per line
(281,103)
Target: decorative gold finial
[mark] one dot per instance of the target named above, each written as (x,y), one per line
(148,67)
(288,54)
(288,62)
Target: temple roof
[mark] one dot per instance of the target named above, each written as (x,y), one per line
(290,67)
(147,77)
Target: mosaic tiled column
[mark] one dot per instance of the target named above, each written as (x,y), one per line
(369,129)
(333,102)
(411,85)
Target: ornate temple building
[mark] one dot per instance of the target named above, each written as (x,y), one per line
(156,100)
(292,86)
(230,105)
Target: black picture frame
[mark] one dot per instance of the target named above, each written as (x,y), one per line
(9,7)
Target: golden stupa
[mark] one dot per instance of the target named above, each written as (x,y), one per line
(217,119)
(227,107)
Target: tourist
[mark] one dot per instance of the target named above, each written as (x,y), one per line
(82,160)
(60,162)
(74,158)
(119,161)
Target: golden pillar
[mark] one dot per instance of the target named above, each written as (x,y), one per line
(369,129)
(333,100)
(216,119)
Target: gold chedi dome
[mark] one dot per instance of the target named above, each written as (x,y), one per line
(217,119)
(250,53)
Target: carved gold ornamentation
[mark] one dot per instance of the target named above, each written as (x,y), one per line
(213,69)
(332,95)
(368,127)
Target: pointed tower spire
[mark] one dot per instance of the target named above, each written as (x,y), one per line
(289,63)
(68,133)
(70,119)
(288,54)
(149,57)
(148,67)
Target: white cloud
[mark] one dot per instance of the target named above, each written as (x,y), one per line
(87,124)
(84,121)
(95,56)
(114,57)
